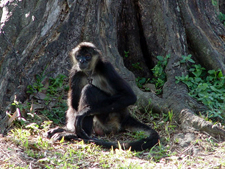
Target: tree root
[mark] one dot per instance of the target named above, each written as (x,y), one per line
(189,119)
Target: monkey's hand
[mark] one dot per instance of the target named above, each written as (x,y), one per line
(78,127)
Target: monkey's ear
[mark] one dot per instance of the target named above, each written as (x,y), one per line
(97,51)
(72,55)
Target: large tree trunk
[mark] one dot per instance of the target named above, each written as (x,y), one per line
(37,36)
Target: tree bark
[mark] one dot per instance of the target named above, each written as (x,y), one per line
(36,37)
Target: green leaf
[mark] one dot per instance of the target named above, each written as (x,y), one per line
(142,80)
(220,74)
(160,58)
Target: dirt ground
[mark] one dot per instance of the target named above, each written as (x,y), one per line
(190,149)
(186,149)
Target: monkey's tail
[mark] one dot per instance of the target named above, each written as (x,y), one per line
(132,124)
(143,144)
(151,139)
(139,145)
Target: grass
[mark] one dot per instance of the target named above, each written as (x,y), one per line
(25,146)
(38,151)
(70,155)
(44,154)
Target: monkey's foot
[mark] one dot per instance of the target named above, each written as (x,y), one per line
(52,132)
(66,135)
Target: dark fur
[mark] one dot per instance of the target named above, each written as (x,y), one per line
(98,100)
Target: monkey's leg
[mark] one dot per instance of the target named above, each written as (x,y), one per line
(83,127)
(69,124)
(58,133)
(90,97)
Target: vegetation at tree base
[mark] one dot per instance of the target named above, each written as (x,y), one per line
(208,87)
(159,73)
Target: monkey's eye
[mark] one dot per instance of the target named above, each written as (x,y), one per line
(88,57)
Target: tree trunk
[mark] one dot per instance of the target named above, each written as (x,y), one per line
(37,36)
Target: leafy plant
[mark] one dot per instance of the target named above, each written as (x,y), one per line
(207,87)
(56,114)
(214,2)
(38,85)
(221,16)
(159,73)
(54,93)
(137,66)
(126,54)
(140,81)
(55,84)
(186,59)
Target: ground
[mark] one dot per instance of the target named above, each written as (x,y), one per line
(25,145)
(28,148)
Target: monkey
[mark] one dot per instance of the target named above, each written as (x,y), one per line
(98,101)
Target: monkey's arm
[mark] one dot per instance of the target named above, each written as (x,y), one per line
(123,94)
(77,82)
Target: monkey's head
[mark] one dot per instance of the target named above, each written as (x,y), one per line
(85,56)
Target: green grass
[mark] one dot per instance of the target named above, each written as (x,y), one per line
(42,153)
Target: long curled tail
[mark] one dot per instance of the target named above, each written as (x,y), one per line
(133,125)
(139,145)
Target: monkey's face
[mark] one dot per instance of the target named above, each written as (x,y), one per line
(84,61)
(85,56)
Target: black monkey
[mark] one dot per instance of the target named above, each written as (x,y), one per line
(98,100)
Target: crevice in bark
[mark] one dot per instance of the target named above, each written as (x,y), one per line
(143,42)
(128,39)
(122,33)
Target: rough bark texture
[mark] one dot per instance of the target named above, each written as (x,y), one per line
(37,36)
